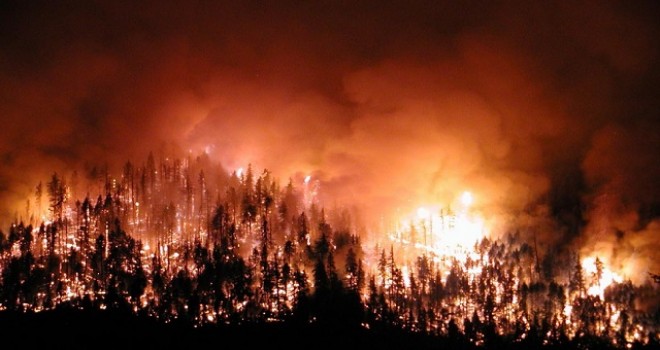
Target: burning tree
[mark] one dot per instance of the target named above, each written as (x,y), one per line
(235,247)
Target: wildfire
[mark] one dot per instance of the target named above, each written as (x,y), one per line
(443,231)
(599,276)
(437,261)
(466,198)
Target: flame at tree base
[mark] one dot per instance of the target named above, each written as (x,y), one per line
(162,248)
(442,232)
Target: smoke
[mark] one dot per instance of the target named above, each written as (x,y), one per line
(546,112)
(623,206)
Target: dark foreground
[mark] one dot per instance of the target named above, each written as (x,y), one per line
(76,329)
(66,329)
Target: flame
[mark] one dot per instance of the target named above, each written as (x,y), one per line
(445,233)
(466,199)
(442,231)
(405,272)
(597,285)
(423,213)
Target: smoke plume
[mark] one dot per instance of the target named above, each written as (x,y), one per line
(547,112)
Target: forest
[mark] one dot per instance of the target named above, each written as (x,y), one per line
(183,241)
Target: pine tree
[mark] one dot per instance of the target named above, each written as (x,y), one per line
(576,282)
(57,196)
(351,267)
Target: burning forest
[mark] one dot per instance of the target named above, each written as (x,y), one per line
(182,239)
(476,174)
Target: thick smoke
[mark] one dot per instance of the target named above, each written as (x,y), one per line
(547,112)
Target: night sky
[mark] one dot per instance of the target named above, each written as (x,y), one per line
(548,111)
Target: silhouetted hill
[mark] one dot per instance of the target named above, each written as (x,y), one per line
(67,329)
(78,329)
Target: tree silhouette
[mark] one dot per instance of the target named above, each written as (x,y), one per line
(230,249)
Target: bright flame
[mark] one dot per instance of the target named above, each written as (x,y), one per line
(442,231)
(239,172)
(307,179)
(405,273)
(466,199)
(596,285)
(423,213)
